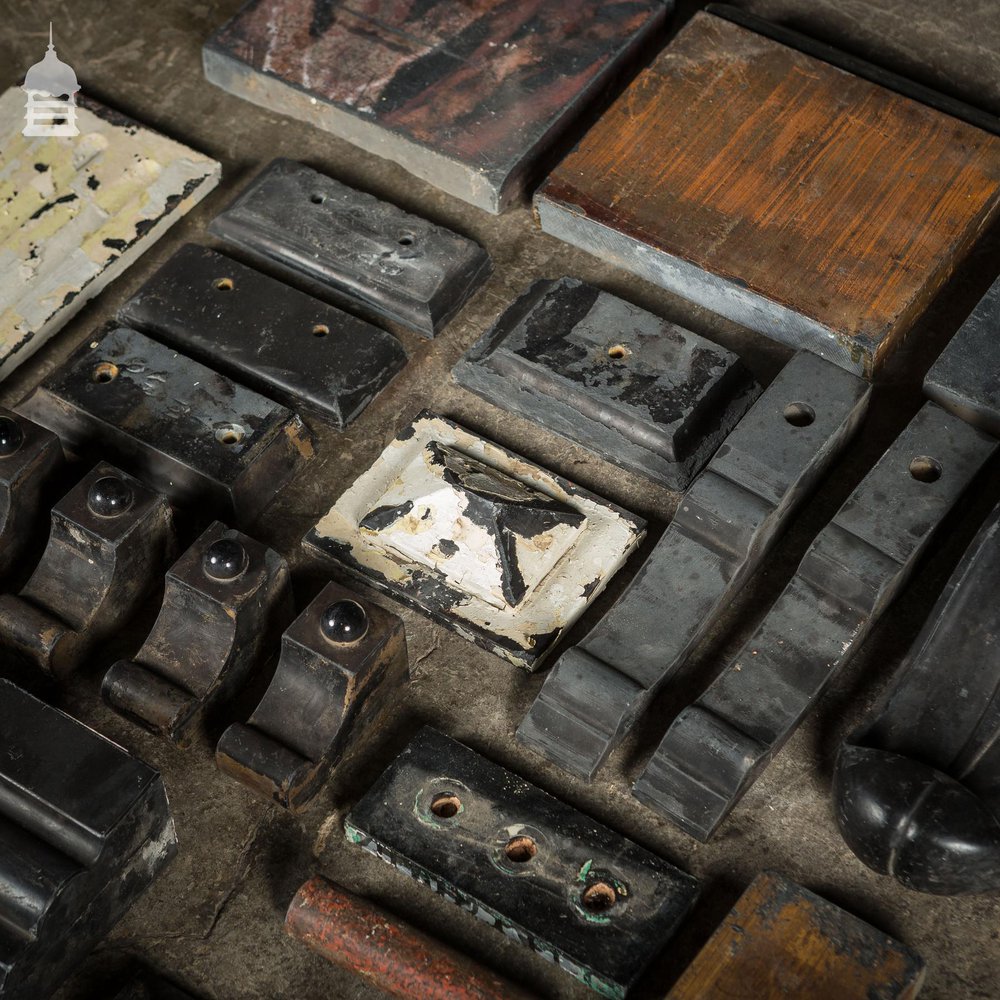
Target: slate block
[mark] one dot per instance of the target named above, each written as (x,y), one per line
(78,211)
(282,342)
(545,875)
(485,542)
(638,390)
(366,251)
(783,941)
(466,96)
(192,433)
(84,829)
(804,202)
(965,379)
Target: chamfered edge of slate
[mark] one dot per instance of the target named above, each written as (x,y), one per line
(177,206)
(529,655)
(428,738)
(493,190)
(475,373)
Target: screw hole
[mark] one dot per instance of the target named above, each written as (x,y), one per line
(405,241)
(320,330)
(317,198)
(599,897)
(230,434)
(224,284)
(105,372)
(520,850)
(618,352)
(446,805)
(925,469)
(799,414)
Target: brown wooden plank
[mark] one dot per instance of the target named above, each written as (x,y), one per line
(805,202)
(781,940)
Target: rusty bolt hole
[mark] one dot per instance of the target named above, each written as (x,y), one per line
(230,435)
(224,284)
(619,352)
(925,469)
(520,850)
(599,897)
(446,805)
(799,414)
(105,372)
(320,330)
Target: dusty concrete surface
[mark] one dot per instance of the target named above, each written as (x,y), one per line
(213,922)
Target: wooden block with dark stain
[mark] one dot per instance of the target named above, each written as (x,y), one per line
(800,200)
(781,940)
(467,96)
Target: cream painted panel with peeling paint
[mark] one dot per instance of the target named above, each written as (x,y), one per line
(76,211)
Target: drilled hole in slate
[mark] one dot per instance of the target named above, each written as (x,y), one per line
(520,850)
(599,897)
(317,198)
(224,284)
(446,805)
(799,414)
(105,372)
(925,469)
(320,330)
(230,434)
(618,352)
(405,241)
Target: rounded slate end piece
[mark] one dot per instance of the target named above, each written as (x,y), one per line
(344,622)
(904,818)
(225,559)
(11,436)
(110,497)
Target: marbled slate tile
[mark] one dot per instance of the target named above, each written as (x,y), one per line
(466,96)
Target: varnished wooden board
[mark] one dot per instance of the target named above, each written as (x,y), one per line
(816,207)
(76,211)
(465,95)
(782,941)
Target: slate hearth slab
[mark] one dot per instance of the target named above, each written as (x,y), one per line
(77,211)
(487,543)
(467,96)
(638,390)
(811,205)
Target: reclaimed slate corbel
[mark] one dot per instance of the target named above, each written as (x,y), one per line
(84,829)
(716,748)
(636,389)
(487,543)
(30,460)
(291,347)
(582,896)
(340,659)
(965,379)
(722,531)
(917,787)
(367,251)
(781,941)
(195,435)
(79,211)
(386,951)
(109,541)
(226,600)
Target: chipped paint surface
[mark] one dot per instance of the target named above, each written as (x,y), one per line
(74,213)
(493,546)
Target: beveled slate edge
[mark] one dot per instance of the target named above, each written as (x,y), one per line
(494,191)
(140,314)
(567,222)
(528,658)
(965,379)
(524,796)
(474,372)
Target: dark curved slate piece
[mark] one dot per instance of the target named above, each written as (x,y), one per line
(917,787)
(636,389)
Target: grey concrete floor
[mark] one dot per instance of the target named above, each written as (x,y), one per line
(213,922)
